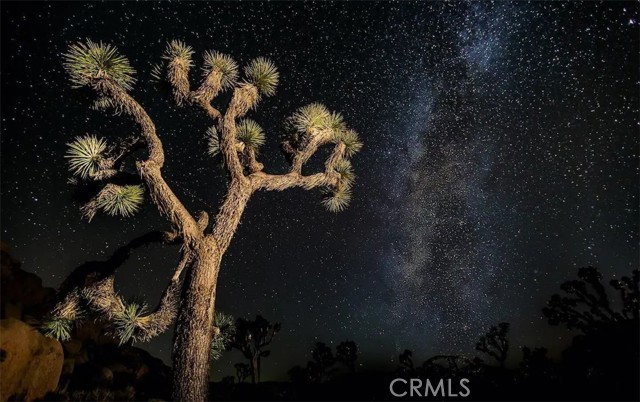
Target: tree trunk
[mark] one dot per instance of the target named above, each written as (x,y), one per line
(255,374)
(259,361)
(192,339)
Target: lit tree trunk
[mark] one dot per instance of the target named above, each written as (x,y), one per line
(192,338)
(193,334)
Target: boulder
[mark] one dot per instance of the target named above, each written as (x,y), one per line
(31,363)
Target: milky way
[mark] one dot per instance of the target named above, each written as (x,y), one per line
(501,148)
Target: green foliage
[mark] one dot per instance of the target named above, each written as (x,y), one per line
(177,49)
(57,328)
(345,170)
(85,154)
(222,320)
(213,141)
(338,200)
(126,323)
(157,71)
(336,124)
(263,74)
(216,61)
(352,142)
(250,133)
(121,200)
(314,116)
(87,61)
(223,336)
(104,103)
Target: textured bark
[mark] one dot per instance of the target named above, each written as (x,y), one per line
(192,339)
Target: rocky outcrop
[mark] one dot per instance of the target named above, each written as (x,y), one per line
(90,366)
(125,371)
(30,364)
(21,293)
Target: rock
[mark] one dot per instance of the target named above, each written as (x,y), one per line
(21,293)
(31,363)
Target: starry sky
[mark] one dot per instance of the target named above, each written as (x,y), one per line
(501,154)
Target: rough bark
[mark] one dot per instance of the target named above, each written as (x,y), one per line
(192,339)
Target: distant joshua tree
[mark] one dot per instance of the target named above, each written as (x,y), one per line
(321,363)
(243,371)
(252,338)
(495,343)
(347,354)
(405,359)
(190,297)
(586,305)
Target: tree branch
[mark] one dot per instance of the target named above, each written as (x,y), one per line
(150,169)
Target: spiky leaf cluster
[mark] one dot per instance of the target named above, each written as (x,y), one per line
(336,124)
(177,49)
(213,141)
(57,328)
(216,61)
(263,74)
(344,168)
(126,323)
(85,154)
(121,200)
(223,335)
(87,61)
(338,200)
(352,142)
(157,71)
(314,116)
(103,103)
(250,134)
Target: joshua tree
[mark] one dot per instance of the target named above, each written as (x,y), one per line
(495,343)
(405,359)
(243,370)
(251,338)
(190,295)
(319,367)
(606,345)
(347,354)
(586,306)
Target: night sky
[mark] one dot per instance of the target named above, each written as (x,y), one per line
(501,154)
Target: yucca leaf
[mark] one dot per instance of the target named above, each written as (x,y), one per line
(223,334)
(85,154)
(57,328)
(103,103)
(126,322)
(120,200)
(352,142)
(87,61)
(337,201)
(213,141)
(157,71)
(177,49)
(345,170)
(310,117)
(263,74)
(336,124)
(250,133)
(216,61)
(222,320)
